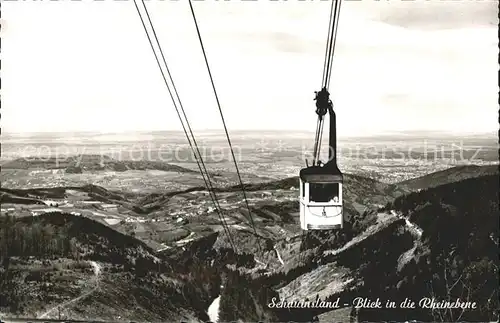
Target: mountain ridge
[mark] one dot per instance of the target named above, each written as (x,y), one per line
(449,175)
(375,255)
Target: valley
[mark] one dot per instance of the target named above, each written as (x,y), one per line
(100,237)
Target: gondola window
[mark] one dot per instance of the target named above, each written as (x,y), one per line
(323,192)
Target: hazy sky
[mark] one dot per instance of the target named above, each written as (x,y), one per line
(87,66)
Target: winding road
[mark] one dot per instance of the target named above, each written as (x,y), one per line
(278,255)
(97,272)
(411,226)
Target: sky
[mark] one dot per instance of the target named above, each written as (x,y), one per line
(399,65)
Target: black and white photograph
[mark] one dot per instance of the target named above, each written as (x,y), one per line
(332,161)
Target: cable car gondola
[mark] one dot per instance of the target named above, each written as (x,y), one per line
(321,206)
(321,185)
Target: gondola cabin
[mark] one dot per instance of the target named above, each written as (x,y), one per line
(321,198)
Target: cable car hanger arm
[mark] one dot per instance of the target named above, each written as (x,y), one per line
(322,98)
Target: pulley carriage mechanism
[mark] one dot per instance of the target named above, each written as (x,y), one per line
(321,184)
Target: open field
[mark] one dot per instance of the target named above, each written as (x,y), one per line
(147,162)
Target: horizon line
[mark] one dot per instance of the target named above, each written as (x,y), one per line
(378,133)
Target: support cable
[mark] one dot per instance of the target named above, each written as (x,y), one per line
(223,120)
(195,150)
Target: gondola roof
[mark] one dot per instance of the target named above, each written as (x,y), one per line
(328,173)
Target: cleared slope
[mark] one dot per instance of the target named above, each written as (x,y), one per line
(43,265)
